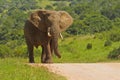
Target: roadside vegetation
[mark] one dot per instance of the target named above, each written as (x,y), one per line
(88,48)
(17,69)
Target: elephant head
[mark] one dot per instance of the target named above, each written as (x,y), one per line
(53,23)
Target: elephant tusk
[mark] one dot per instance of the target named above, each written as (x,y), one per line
(61,36)
(49,35)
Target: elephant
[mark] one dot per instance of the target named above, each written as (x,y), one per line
(43,28)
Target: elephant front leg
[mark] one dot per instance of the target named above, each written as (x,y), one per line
(48,53)
(43,56)
(31,55)
(51,47)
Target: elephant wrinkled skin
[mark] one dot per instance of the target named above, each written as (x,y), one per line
(43,28)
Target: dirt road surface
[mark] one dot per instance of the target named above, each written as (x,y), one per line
(85,71)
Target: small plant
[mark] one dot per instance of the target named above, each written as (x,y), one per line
(115,36)
(5,51)
(107,43)
(89,46)
(115,54)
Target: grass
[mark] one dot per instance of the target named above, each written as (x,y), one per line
(74,49)
(16,69)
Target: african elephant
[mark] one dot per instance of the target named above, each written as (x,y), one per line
(43,28)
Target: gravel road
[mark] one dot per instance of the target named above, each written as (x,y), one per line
(85,71)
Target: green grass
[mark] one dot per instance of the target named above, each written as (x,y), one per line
(17,69)
(73,49)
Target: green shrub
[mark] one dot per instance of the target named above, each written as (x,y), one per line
(20,51)
(95,23)
(65,35)
(115,36)
(89,46)
(115,54)
(107,43)
(5,51)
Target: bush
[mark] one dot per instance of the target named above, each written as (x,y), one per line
(95,23)
(5,51)
(65,35)
(20,51)
(107,43)
(115,54)
(115,36)
(89,46)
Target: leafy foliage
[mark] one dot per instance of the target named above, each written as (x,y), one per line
(115,36)
(114,54)
(107,43)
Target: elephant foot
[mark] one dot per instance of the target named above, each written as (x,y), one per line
(31,61)
(42,61)
(48,61)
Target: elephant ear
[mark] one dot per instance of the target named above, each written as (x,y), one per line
(35,19)
(38,20)
(65,20)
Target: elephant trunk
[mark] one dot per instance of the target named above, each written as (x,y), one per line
(55,47)
(54,31)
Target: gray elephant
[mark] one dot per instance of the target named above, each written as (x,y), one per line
(44,28)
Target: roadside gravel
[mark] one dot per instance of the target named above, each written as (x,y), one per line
(85,71)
